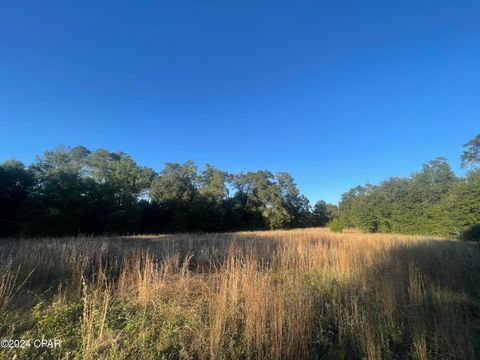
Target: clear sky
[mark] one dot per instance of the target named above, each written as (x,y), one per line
(337,93)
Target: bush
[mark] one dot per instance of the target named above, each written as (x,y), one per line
(471,234)
(335,225)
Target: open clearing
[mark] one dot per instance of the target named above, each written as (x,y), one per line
(273,295)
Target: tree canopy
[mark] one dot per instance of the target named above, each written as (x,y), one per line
(471,155)
(432,201)
(69,191)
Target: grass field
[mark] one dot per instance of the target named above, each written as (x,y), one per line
(300,294)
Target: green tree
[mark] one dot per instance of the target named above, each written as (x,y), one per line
(400,205)
(16,183)
(320,214)
(212,184)
(260,200)
(297,205)
(208,206)
(471,155)
(120,172)
(174,190)
(77,190)
(176,182)
(460,210)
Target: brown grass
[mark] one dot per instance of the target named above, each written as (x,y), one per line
(253,295)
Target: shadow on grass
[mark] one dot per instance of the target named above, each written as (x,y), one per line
(419,299)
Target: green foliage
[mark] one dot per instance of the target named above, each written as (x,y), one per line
(51,321)
(335,225)
(433,201)
(71,191)
(175,183)
(471,155)
(16,183)
(323,213)
(471,234)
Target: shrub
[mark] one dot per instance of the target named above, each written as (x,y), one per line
(471,234)
(335,225)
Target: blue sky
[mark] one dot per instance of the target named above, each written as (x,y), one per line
(337,93)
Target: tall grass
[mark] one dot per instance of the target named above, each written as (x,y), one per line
(300,294)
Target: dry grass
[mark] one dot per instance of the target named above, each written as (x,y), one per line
(253,295)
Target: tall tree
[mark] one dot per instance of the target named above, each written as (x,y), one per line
(320,215)
(16,184)
(260,200)
(175,182)
(297,205)
(173,191)
(61,159)
(208,206)
(212,184)
(471,155)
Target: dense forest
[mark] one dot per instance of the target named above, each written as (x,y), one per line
(72,191)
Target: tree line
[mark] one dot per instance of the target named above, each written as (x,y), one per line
(433,201)
(71,191)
